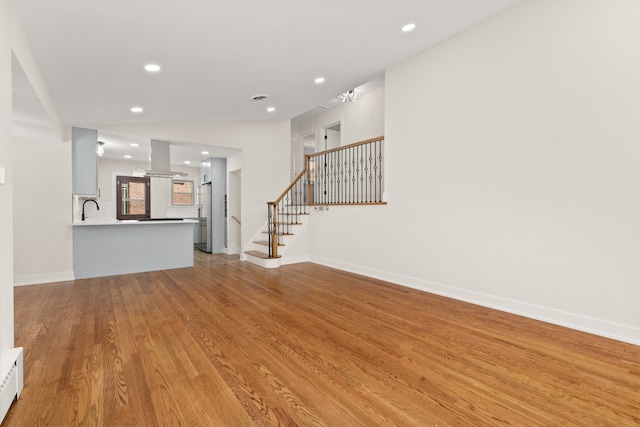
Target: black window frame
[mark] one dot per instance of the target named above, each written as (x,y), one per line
(147,197)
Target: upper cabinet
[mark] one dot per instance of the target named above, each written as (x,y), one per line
(205,171)
(84,161)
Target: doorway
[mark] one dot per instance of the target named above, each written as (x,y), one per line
(332,136)
(234,214)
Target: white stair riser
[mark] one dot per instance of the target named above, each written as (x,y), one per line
(285,240)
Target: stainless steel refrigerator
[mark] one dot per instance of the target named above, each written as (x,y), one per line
(213,213)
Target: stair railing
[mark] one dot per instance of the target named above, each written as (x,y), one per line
(285,212)
(348,175)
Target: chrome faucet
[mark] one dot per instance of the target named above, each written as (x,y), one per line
(89,200)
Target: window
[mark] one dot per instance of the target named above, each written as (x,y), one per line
(133,197)
(181,193)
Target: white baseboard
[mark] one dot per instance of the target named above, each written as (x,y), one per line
(294,259)
(601,327)
(36,279)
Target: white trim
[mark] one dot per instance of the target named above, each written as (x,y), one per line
(294,259)
(36,279)
(232,251)
(617,331)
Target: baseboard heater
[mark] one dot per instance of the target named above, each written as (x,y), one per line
(11,379)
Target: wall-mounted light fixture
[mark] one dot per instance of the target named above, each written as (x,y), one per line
(100,148)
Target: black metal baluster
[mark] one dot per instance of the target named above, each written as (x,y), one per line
(340,178)
(330,189)
(324,187)
(370,190)
(334,190)
(349,155)
(354,195)
(380,173)
(360,173)
(375,171)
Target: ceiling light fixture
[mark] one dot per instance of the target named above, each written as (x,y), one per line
(133,144)
(187,162)
(205,152)
(136,109)
(271,109)
(319,80)
(153,68)
(126,156)
(408,27)
(350,96)
(100,148)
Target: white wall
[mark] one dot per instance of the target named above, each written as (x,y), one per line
(264,161)
(512,170)
(42,217)
(360,120)
(6,190)
(234,210)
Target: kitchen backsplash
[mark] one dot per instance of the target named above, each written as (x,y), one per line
(182,212)
(108,210)
(90,210)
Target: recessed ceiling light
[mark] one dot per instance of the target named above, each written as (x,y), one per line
(271,109)
(319,80)
(187,162)
(205,152)
(408,27)
(126,156)
(152,68)
(133,144)
(136,109)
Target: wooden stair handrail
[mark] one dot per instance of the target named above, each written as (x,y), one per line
(344,147)
(284,193)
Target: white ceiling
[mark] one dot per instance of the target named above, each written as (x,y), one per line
(215,55)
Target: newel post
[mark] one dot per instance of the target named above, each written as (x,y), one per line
(273,229)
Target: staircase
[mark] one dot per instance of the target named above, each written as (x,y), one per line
(257,252)
(349,175)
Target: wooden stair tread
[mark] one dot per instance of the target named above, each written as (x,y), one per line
(279,234)
(265,243)
(259,254)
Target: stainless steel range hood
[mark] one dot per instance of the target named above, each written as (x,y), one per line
(160,157)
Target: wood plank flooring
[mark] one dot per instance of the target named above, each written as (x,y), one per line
(227,343)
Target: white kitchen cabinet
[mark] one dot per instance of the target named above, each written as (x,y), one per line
(84,161)
(205,171)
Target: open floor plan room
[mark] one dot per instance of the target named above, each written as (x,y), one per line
(227,343)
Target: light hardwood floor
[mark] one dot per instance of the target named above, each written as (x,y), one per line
(227,343)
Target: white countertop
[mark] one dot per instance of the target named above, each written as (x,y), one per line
(90,221)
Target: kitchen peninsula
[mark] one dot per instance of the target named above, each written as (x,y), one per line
(109,247)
